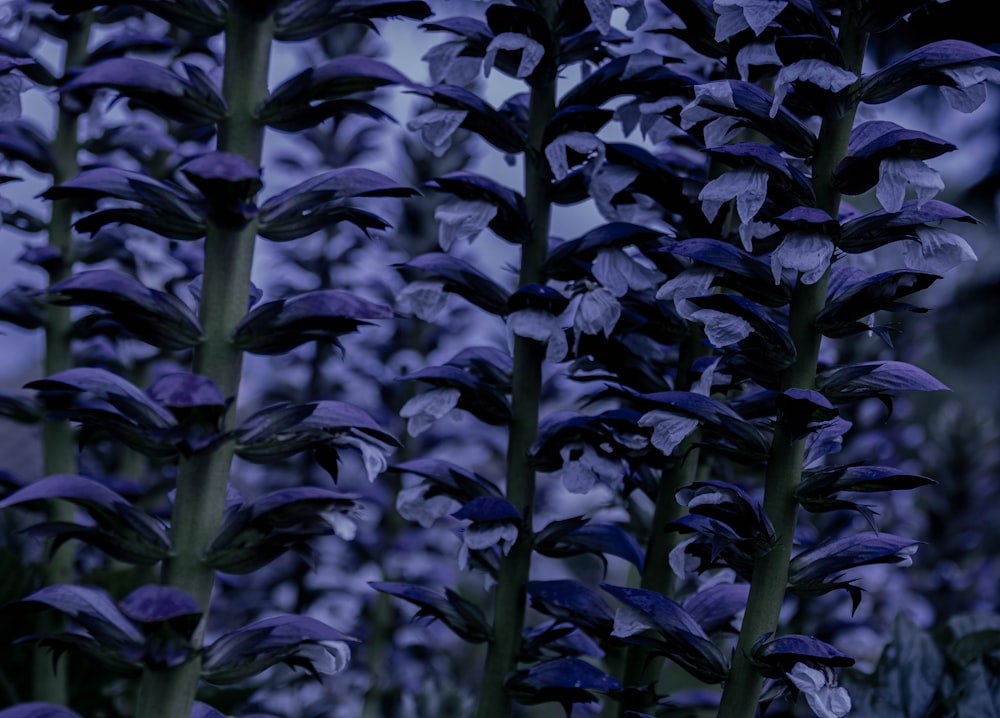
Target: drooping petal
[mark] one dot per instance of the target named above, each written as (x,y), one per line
(531,52)
(937,252)
(805,252)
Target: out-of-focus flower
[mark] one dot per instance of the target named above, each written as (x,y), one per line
(424,409)
(583,466)
(436,126)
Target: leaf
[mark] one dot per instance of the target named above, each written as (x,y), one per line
(23,307)
(112,388)
(153,87)
(310,18)
(457,276)
(595,538)
(490,124)
(322,315)
(908,677)
(168,210)
(873,142)
(573,602)
(318,202)
(256,533)
(681,638)
(318,93)
(928,65)
(22,141)
(197,16)
(777,656)
(561,680)
(842,314)
(155,317)
(286,639)
(874,379)
(483,400)
(123,531)
(90,607)
(726,430)
(510,221)
(878,228)
(743,272)
(460,615)
(823,564)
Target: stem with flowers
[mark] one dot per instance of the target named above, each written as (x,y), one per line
(785,463)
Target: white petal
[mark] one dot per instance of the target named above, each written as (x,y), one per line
(485,535)
(629,622)
(749,231)
(755,54)
(937,252)
(583,143)
(608,181)
(807,679)
(540,326)
(424,409)
(446,64)
(328,657)
(805,252)
(720,130)
(747,184)
(598,311)
(618,272)
(425,298)
(462,220)
(639,61)
(895,173)
(600,14)
(413,505)
(436,127)
(693,282)
(373,455)
(531,52)
(343,526)
(10,98)
(636,13)
(722,329)
(669,429)
(817,72)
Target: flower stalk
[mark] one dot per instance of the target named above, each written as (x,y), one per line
(58,439)
(203,478)
(526,382)
(785,463)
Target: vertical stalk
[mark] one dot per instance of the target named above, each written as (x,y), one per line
(526,382)
(58,440)
(784,470)
(640,668)
(202,479)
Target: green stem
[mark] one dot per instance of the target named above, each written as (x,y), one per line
(202,479)
(526,382)
(640,668)
(58,438)
(784,471)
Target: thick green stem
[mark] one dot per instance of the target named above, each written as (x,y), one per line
(202,479)
(509,611)
(58,439)
(784,471)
